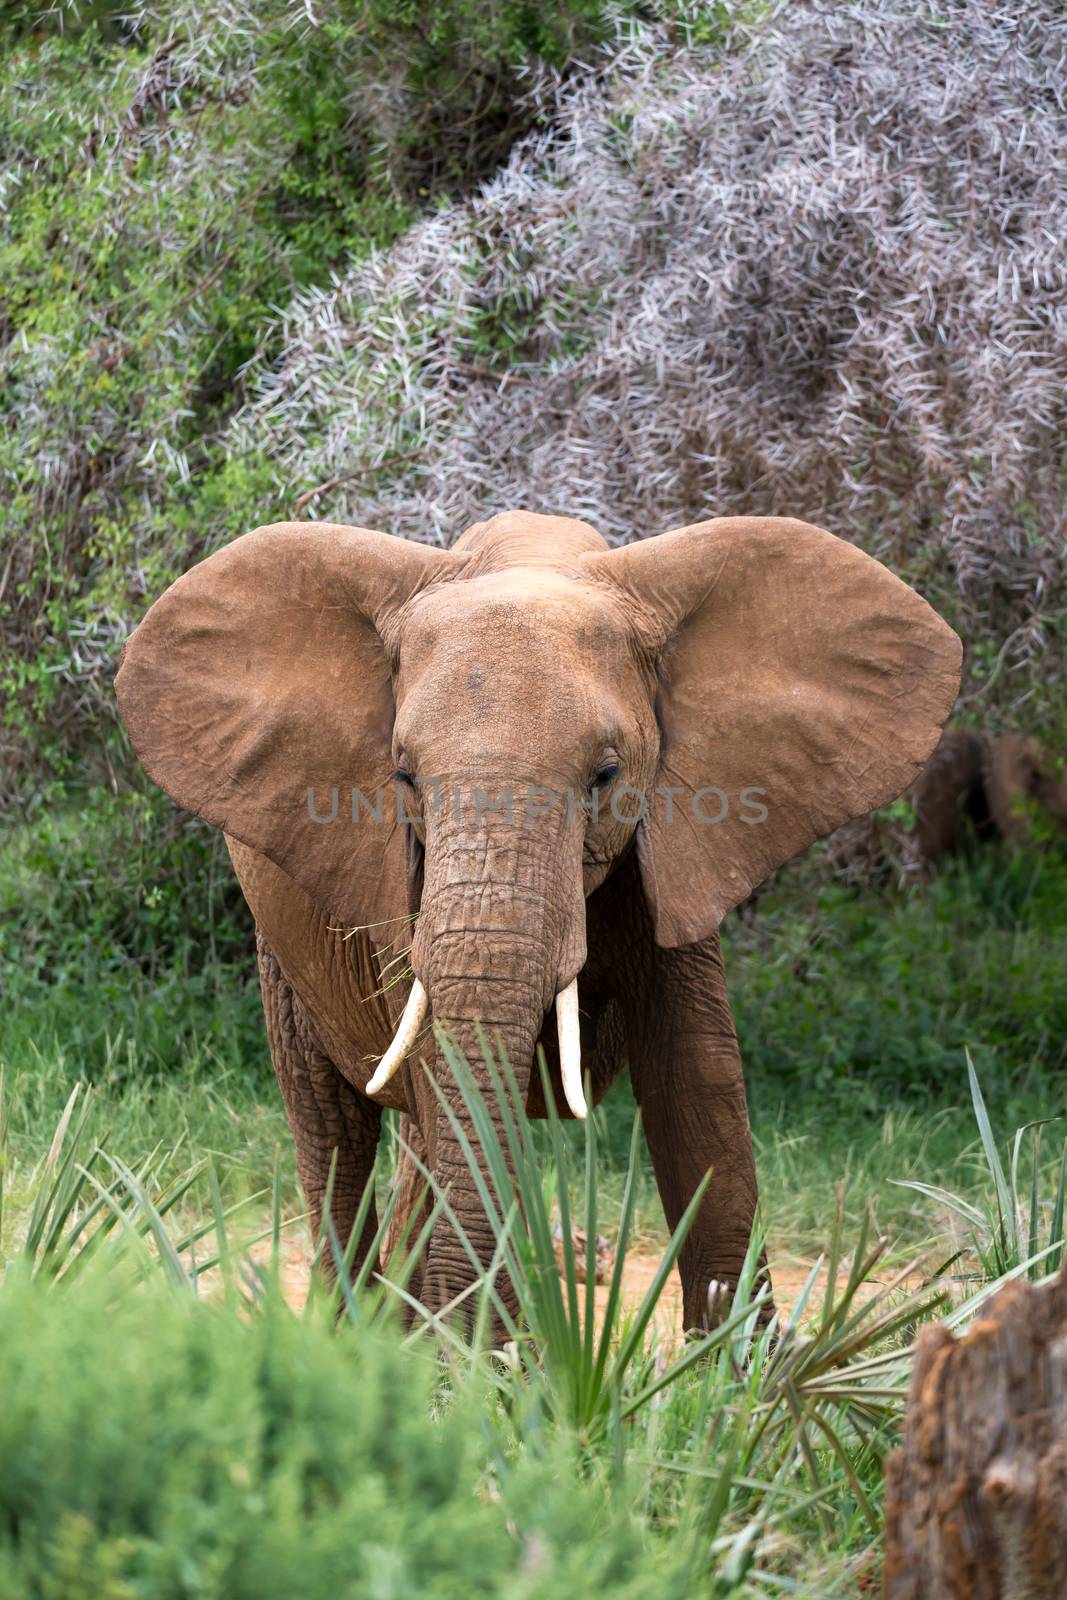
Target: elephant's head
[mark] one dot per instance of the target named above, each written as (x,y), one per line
(539,703)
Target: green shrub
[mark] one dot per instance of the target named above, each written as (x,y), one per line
(126,948)
(127,959)
(162,1448)
(168,181)
(876,994)
(121,882)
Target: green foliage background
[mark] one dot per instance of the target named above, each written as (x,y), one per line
(171,177)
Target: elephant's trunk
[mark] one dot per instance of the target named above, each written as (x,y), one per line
(570,1044)
(512,1033)
(501,928)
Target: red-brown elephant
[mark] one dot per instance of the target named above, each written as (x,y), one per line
(566,763)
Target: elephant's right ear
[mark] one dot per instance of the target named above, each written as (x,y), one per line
(258,687)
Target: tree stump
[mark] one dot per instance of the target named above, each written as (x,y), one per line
(976,1505)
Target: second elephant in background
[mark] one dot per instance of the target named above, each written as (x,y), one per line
(975,789)
(983,787)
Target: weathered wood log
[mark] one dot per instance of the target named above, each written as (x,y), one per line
(976,1505)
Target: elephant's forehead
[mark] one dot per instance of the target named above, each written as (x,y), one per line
(547,613)
(530,664)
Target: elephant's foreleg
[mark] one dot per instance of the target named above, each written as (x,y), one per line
(687,1078)
(328,1118)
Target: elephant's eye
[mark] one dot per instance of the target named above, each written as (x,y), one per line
(402,775)
(607,773)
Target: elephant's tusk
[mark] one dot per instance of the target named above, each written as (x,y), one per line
(406,1034)
(570,1048)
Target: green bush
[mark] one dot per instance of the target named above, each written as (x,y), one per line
(127,953)
(118,882)
(121,916)
(163,1448)
(168,182)
(876,994)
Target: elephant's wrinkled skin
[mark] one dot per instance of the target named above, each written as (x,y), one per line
(736,654)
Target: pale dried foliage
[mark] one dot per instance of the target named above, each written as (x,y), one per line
(815,268)
(820,273)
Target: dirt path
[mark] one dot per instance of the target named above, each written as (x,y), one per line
(789,1278)
(789,1274)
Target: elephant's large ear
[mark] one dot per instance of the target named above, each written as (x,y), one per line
(262,675)
(789,663)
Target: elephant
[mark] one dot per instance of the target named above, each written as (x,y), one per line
(526,774)
(975,789)
(949,794)
(1016,769)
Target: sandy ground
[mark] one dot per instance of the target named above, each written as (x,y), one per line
(789,1277)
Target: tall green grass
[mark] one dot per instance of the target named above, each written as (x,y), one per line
(1010,1226)
(176,1423)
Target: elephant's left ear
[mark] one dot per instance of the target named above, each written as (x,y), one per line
(790,664)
